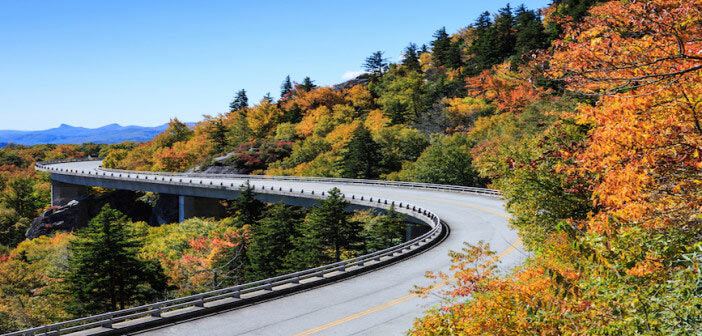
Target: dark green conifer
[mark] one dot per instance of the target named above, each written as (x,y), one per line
(361,156)
(307,85)
(246,209)
(328,227)
(240,101)
(440,47)
(375,64)
(272,240)
(410,58)
(217,133)
(387,231)
(286,87)
(104,272)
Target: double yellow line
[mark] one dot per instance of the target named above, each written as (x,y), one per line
(502,254)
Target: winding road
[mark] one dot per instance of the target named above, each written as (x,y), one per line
(372,303)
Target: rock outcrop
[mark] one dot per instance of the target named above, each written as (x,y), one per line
(360,80)
(77,213)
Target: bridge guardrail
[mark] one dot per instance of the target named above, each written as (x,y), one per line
(155,310)
(415,185)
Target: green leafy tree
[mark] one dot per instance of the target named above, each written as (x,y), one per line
(272,240)
(12,227)
(239,131)
(361,156)
(376,64)
(246,209)
(446,161)
(241,101)
(399,144)
(403,98)
(104,272)
(19,195)
(177,131)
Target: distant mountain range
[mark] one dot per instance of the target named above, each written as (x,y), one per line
(67,134)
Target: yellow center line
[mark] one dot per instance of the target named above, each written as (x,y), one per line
(507,251)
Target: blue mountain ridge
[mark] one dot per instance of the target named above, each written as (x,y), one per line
(67,134)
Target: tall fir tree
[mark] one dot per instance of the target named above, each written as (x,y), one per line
(330,226)
(360,157)
(386,231)
(286,88)
(268,97)
(240,101)
(484,47)
(217,133)
(376,64)
(246,209)
(272,238)
(440,47)
(104,272)
(504,29)
(410,58)
(307,85)
(531,34)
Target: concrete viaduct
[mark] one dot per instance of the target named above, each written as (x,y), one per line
(376,302)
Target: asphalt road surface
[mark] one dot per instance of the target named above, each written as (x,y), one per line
(374,303)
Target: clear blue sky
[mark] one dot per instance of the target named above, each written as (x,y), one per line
(91,63)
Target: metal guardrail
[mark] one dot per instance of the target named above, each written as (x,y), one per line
(296,279)
(404,184)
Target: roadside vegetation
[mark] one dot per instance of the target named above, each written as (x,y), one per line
(584,114)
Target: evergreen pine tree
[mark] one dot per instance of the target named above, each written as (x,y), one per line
(440,47)
(246,209)
(286,87)
(240,101)
(530,31)
(217,133)
(104,272)
(268,97)
(375,64)
(272,240)
(504,29)
(453,55)
(410,58)
(387,231)
(307,85)
(331,227)
(484,47)
(361,156)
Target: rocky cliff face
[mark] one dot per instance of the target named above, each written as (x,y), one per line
(360,80)
(77,213)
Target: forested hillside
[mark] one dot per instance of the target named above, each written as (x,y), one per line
(585,114)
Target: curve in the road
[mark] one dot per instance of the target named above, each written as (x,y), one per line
(374,303)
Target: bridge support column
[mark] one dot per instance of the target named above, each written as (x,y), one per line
(62,193)
(189,206)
